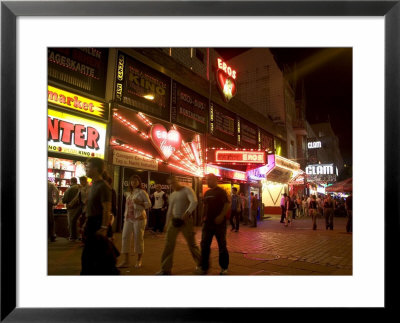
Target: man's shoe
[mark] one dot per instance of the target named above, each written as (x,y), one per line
(224,272)
(162,272)
(200,271)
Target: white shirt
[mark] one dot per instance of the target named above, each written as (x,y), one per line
(181,201)
(132,210)
(158,200)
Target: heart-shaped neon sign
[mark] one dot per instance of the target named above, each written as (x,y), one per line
(166,142)
(226,84)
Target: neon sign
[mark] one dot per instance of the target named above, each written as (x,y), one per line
(72,101)
(212,170)
(314,144)
(70,134)
(225,172)
(233,156)
(226,80)
(320,169)
(166,142)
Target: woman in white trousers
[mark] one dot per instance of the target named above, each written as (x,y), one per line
(137,201)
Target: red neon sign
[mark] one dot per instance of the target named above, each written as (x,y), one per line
(166,142)
(245,157)
(226,77)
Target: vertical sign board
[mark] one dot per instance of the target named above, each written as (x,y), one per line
(223,124)
(142,88)
(83,69)
(189,109)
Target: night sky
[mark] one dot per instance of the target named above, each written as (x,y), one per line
(327,75)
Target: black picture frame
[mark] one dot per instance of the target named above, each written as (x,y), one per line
(10,10)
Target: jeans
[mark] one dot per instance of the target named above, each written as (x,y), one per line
(208,232)
(50,222)
(170,241)
(328,212)
(283,215)
(349,225)
(234,220)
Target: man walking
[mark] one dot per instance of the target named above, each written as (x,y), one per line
(236,210)
(254,209)
(53,197)
(329,206)
(74,208)
(99,254)
(182,203)
(216,205)
(283,207)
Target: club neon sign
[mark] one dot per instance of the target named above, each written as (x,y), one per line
(226,80)
(166,142)
(245,157)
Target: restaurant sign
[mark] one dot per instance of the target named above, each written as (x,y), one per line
(70,134)
(241,157)
(76,102)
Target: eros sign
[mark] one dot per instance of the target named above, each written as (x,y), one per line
(237,156)
(226,80)
(166,142)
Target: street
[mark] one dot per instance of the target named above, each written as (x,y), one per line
(269,249)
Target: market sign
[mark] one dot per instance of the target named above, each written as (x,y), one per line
(142,88)
(75,102)
(314,144)
(127,159)
(236,156)
(84,69)
(188,108)
(226,80)
(166,142)
(70,134)
(320,169)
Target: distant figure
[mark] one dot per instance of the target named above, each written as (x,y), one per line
(290,206)
(236,210)
(53,197)
(313,209)
(304,206)
(329,206)
(254,209)
(245,208)
(72,199)
(283,207)
(349,209)
(182,203)
(216,205)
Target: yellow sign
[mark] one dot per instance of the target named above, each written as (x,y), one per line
(70,134)
(75,102)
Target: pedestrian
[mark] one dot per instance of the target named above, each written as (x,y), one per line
(304,206)
(99,254)
(53,198)
(283,207)
(329,206)
(245,208)
(135,218)
(313,210)
(236,210)
(254,209)
(320,205)
(216,205)
(84,190)
(294,210)
(159,202)
(182,203)
(290,206)
(108,180)
(299,206)
(349,209)
(72,199)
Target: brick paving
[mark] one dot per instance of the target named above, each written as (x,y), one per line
(269,249)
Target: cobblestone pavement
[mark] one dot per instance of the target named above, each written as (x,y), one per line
(269,249)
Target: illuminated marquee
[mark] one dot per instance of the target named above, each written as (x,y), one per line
(166,142)
(320,169)
(75,102)
(226,80)
(225,172)
(74,135)
(245,157)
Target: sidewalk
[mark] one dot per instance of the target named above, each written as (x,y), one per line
(269,249)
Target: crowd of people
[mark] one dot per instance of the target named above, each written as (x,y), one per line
(316,206)
(92,209)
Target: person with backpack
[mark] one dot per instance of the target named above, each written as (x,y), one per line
(313,210)
(290,206)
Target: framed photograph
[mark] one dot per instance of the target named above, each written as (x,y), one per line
(32,29)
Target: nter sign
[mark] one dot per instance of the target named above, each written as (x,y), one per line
(226,80)
(243,157)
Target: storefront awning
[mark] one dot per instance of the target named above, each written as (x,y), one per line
(284,170)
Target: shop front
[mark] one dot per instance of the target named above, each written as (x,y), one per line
(278,172)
